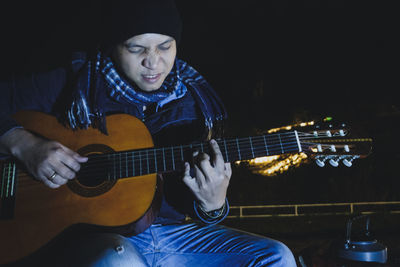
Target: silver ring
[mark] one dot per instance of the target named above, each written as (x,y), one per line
(51,178)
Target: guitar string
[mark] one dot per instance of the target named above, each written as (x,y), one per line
(147,173)
(227,145)
(302,136)
(306,145)
(255,139)
(30,181)
(152,165)
(125,165)
(142,156)
(100,171)
(167,158)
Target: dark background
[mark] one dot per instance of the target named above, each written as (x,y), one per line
(273,63)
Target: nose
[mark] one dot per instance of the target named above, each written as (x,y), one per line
(151,60)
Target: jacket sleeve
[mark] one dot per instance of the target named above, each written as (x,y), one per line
(31,92)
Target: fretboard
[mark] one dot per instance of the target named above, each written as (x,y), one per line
(159,160)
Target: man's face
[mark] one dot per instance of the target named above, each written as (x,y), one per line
(146,59)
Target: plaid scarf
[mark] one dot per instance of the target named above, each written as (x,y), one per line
(80,113)
(171,89)
(88,98)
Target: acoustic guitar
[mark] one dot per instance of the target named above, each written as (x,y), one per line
(117,187)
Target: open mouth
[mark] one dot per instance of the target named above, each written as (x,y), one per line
(151,78)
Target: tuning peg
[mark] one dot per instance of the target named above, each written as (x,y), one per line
(320,161)
(348,161)
(346,148)
(334,162)
(319,148)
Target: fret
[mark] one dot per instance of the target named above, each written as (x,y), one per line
(251,146)
(173,158)
(133,164)
(14,174)
(163,150)
(155,160)
(245,149)
(126,165)
(168,159)
(289,143)
(280,142)
(120,165)
(258,146)
(182,157)
(8,180)
(136,163)
(140,163)
(231,149)
(265,144)
(274,144)
(151,165)
(226,152)
(238,149)
(178,157)
(160,159)
(297,140)
(147,160)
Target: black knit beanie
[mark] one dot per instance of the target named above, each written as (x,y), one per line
(123,19)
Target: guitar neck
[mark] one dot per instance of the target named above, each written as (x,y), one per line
(165,159)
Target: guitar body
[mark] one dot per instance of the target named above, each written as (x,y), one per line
(41,213)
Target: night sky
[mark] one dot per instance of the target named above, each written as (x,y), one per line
(272,62)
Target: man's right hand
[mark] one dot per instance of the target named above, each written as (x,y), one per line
(48,161)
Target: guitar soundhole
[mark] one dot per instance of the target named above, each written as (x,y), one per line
(92,179)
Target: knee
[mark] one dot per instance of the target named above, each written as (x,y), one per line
(108,250)
(281,255)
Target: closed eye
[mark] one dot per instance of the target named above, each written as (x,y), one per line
(165,45)
(135,49)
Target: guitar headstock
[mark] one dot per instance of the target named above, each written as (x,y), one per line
(334,144)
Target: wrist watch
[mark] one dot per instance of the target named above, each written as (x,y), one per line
(213,214)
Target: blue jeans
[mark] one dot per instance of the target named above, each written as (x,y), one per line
(191,244)
(198,245)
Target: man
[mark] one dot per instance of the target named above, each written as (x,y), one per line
(136,71)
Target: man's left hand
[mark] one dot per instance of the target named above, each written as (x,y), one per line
(211,179)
